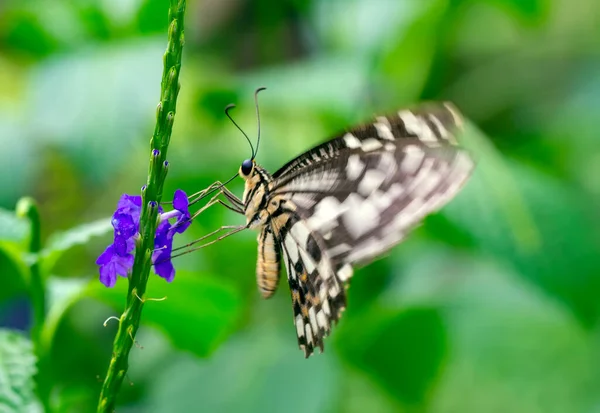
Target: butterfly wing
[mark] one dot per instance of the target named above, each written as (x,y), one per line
(432,124)
(353,198)
(318,296)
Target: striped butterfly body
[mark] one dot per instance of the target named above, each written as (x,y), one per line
(346,202)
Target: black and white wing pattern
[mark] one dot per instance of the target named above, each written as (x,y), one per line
(351,199)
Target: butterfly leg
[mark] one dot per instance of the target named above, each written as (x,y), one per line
(233,208)
(233,199)
(236,204)
(215,200)
(234,230)
(198,196)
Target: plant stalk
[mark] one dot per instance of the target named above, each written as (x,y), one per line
(151,197)
(27,207)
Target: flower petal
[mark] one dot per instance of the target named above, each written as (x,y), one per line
(163,244)
(124,225)
(129,201)
(165,269)
(108,277)
(113,264)
(181,203)
(130,205)
(106,256)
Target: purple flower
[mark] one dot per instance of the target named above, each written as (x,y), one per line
(125,228)
(118,257)
(181,203)
(163,244)
(112,264)
(130,205)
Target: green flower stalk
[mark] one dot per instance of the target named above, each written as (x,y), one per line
(27,207)
(151,197)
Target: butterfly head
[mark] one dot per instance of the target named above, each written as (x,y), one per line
(246,168)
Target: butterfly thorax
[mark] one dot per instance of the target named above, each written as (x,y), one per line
(258,205)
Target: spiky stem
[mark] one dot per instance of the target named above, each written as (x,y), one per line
(151,196)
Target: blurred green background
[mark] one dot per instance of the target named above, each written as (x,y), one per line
(491,306)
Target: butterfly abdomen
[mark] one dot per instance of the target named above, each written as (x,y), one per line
(268,263)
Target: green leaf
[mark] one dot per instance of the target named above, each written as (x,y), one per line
(259,370)
(405,67)
(521,350)
(13,228)
(531,9)
(17,368)
(61,295)
(73,347)
(14,232)
(88,143)
(401,350)
(61,242)
(544,229)
(337,81)
(199,313)
(27,33)
(363,395)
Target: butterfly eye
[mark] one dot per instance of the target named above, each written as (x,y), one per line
(246,167)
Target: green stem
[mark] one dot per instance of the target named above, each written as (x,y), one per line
(151,197)
(27,207)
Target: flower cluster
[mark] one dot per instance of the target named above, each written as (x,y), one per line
(118,257)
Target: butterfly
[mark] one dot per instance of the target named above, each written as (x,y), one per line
(346,202)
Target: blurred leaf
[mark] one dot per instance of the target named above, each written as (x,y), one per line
(25,31)
(404,68)
(367,283)
(199,314)
(575,118)
(17,367)
(440,226)
(259,370)
(213,99)
(75,346)
(152,16)
(77,354)
(13,228)
(521,349)
(545,229)
(352,30)
(531,9)
(15,271)
(361,395)
(402,351)
(333,81)
(485,16)
(61,295)
(94,21)
(61,242)
(549,233)
(16,173)
(502,191)
(121,82)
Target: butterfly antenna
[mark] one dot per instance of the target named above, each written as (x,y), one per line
(257,116)
(227,109)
